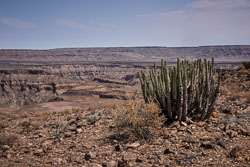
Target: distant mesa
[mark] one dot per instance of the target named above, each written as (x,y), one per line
(227,53)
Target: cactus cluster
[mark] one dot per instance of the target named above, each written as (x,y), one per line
(188,90)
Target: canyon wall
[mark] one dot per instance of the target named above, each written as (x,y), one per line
(23,85)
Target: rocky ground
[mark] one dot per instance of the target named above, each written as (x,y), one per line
(86,137)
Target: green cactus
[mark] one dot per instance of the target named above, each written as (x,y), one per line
(187,90)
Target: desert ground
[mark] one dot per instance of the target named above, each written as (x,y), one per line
(63,112)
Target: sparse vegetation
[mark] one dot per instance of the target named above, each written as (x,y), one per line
(235,87)
(3,124)
(7,139)
(133,134)
(60,128)
(246,64)
(137,120)
(188,90)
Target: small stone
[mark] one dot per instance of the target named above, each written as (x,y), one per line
(72,121)
(174,124)
(133,145)
(5,147)
(41,135)
(67,134)
(200,124)
(95,165)
(79,159)
(167,151)
(234,153)
(138,160)
(47,142)
(184,123)
(89,155)
(232,134)
(38,152)
(117,148)
(79,130)
(123,163)
(29,145)
(205,138)
(224,144)
(59,160)
(245,132)
(187,146)
(228,110)
(207,145)
(92,119)
(26,151)
(182,128)
(8,155)
(111,164)
(80,124)
(129,157)
(72,128)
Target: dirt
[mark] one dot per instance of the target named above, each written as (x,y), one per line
(84,135)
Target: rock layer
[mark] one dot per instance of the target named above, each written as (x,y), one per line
(129,54)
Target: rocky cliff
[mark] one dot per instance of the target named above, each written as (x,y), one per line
(26,85)
(22,89)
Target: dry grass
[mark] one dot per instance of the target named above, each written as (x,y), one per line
(23,115)
(235,86)
(42,116)
(3,124)
(92,107)
(3,117)
(137,119)
(7,139)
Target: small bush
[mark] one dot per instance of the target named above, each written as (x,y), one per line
(246,64)
(7,139)
(137,120)
(3,124)
(60,127)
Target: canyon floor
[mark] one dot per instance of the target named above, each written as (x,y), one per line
(74,125)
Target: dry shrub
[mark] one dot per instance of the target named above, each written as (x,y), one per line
(42,116)
(76,110)
(60,127)
(25,124)
(92,107)
(138,120)
(23,115)
(3,124)
(66,112)
(36,124)
(7,139)
(235,86)
(3,117)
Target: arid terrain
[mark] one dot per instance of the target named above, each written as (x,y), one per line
(56,109)
(230,53)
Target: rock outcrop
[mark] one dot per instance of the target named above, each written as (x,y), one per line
(19,90)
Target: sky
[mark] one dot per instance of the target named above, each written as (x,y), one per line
(45,24)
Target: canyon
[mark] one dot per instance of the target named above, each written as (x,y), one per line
(77,77)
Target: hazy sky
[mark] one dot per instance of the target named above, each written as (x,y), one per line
(39,24)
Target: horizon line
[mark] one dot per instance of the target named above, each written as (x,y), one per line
(93,47)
